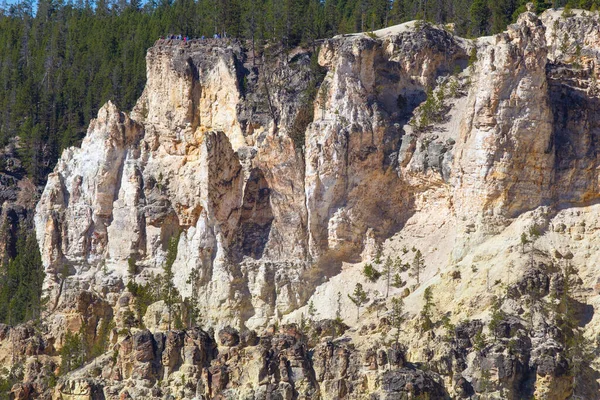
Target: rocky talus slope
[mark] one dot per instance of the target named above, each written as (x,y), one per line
(279,178)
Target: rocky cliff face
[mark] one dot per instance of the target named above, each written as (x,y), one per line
(279,183)
(18,196)
(200,157)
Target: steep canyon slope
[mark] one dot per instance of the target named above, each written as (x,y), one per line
(279,178)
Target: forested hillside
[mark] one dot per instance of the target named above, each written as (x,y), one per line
(60,61)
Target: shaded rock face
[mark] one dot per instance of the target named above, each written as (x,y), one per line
(256,217)
(18,195)
(405,383)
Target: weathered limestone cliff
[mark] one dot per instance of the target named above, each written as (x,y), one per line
(200,157)
(278,180)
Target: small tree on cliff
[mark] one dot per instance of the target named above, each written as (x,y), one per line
(485,382)
(192,302)
(371,273)
(397,316)
(359,298)
(338,311)
(496,318)
(427,311)
(169,293)
(397,281)
(72,353)
(312,311)
(387,270)
(524,242)
(129,320)
(399,267)
(418,265)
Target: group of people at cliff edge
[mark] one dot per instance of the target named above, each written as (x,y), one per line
(186,38)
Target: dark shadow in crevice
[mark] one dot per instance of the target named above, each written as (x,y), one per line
(256,218)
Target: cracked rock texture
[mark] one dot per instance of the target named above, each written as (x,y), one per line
(415,139)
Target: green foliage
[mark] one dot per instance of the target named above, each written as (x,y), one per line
(480,16)
(129,320)
(359,298)
(534,232)
(72,353)
(90,342)
(564,44)
(497,317)
(312,311)
(388,267)
(304,327)
(450,328)
(399,266)
(427,311)
(397,317)
(191,303)
(485,382)
(304,117)
(145,295)
(162,287)
(524,242)
(305,113)
(418,265)
(579,350)
(473,56)
(431,111)
(397,281)
(169,292)
(454,87)
(9,378)
(479,341)
(131,266)
(6,384)
(21,297)
(567,11)
(178,321)
(99,344)
(377,259)
(371,273)
(323,97)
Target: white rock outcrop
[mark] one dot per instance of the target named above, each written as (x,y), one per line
(271,194)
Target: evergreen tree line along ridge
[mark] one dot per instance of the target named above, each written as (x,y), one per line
(61,62)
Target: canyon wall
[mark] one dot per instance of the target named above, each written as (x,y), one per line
(279,177)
